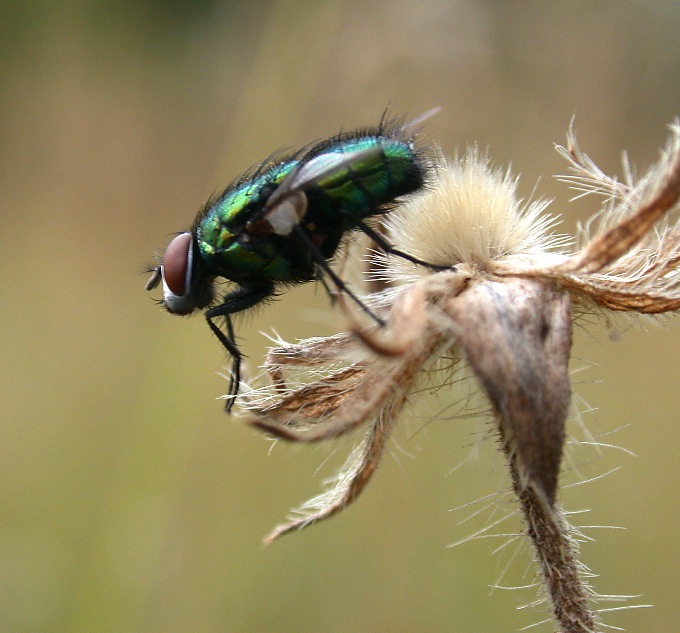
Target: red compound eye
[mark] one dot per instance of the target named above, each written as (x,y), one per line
(175,262)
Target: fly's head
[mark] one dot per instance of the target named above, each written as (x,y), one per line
(186,287)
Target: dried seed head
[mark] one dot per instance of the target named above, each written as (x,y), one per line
(471,214)
(506,308)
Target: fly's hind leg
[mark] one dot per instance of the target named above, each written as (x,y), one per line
(388,248)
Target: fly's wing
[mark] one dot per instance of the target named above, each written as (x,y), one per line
(286,207)
(321,166)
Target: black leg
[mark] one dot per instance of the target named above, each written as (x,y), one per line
(321,262)
(327,288)
(388,248)
(240,299)
(230,345)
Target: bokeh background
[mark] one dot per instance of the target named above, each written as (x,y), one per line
(129,502)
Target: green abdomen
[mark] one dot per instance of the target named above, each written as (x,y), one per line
(366,186)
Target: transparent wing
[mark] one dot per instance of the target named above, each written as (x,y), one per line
(311,171)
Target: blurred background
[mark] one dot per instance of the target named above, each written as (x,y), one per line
(130,501)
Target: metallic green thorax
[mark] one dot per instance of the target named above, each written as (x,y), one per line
(220,230)
(382,169)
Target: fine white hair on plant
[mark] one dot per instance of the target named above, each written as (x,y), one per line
(472,214)
(505,307)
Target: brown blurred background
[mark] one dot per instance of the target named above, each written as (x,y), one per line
(129,501)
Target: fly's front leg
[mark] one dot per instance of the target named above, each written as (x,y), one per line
(230,345)
(240,299)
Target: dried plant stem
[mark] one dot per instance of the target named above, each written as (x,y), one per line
(556,554)
(517,335)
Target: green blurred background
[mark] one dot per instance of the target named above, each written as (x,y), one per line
(130,502)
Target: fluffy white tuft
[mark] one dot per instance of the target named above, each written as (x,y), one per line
(470,213)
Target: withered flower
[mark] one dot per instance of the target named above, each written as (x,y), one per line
(506,307)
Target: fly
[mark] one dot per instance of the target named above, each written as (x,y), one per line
(283,222)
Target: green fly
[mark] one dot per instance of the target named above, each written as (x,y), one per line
(282,223)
